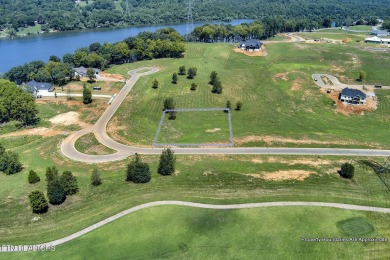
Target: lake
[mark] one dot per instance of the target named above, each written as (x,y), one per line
(17,51)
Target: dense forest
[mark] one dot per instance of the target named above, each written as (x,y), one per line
(164,43)
(68,14)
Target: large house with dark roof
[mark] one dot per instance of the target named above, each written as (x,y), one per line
(380,33)
(37,89)
(251,44)
(353,96)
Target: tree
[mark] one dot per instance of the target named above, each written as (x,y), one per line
(362,75)
(55,192)
(69,183)
(213,77)
(38,202)
(217,87)
(182,70)
(347,170)
(54,58)
(95,178)
(193,86)
(174,78)
(138,171)
(9,162)
(87,95)
(191,73)
(228,105)
(239,106)
(169,104)
(155,84)
(167,162)
(91,75)
(33,177)
(51,173)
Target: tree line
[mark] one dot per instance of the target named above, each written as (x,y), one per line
(68,15)
(164,43)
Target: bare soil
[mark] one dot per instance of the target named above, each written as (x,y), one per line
(297,84)
(111,76)
(213,130)
(42,131)
(299,175)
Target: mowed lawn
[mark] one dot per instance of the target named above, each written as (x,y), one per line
(279,96)
(172,232)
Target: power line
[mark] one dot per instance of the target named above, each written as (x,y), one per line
(190,21)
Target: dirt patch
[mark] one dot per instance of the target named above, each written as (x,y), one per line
(284,75)
(276,139)
(262,53)
(213,130)
(310,162)
(297,84)
(346,40)
(42,131)
(299,175)
(111,76)
(70,118)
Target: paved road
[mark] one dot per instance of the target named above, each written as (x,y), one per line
(336,84)
(123,151)
(198,205)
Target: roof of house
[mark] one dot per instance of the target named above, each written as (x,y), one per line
(379,32)
(39,85)
(252,42)
(83,70)
(353,93)
(376,39)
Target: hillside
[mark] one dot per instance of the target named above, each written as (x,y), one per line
(65,15)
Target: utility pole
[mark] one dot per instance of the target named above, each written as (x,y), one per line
(190,21)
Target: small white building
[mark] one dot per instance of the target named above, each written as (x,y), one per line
(82,71)
(376,39)
(353,96)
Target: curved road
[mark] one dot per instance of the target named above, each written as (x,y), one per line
(196,205)
(123,151)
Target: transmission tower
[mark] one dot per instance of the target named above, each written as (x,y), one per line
(127,12)
(190,21)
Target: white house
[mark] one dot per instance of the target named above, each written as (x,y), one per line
(353,96)
(376,39)
(82,71)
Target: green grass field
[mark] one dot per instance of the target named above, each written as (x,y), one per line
(88,144)
(279,97)
(187,233)
(206,127)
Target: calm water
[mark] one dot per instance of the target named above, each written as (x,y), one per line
(25,49)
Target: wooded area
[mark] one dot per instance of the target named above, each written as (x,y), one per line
(69,15)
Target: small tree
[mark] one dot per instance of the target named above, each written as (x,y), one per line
(33,177)
(87,95)
(347,171)
(193,87)
(228,105)
(169,103)
(38,202)
(155,84)
(172,115)
(138,171)
(217,87)
(362,75)
(167,162)
(182,70)
(95,178)
(191,73)
(9,162)
(51,173)
(239,106)
(213,77)
(69,183)
(55,192)
(91,75)
(174,78)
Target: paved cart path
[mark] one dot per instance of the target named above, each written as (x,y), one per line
(194,205)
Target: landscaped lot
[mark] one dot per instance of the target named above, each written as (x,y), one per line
(281,104)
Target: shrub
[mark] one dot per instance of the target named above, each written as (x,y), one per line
(193,87)
(239,106)
(87,95)
(191,73)
(38,202)
(33,177)
(9,162)
(95,178)
(213,77)
(167,162)
(169,103)
(51,173)
(138,171)
(217,87)
(182,70)
(228,105)
(55,192)
(174,78)
(155,84)
(69,183)
(347,170)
